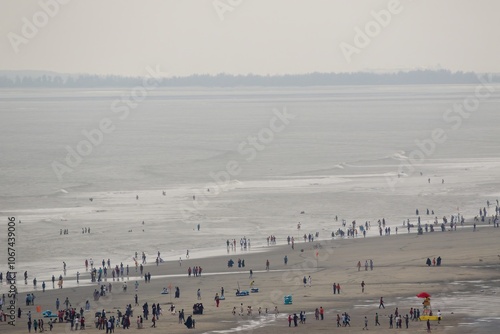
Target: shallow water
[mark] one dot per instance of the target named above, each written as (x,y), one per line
(339,155)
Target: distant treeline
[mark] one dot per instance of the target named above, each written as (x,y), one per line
(227,80)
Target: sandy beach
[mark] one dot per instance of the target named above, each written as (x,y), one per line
(470,267)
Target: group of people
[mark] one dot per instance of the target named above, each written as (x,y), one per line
(196,271)
(38,325)
(244,244)
(344,320)
(249,311)
(368,263)
(301,318)
(434,262)
(30,299)
(85,230)
(64,231)
(271,240)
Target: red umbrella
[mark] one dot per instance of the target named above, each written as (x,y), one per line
(423,295)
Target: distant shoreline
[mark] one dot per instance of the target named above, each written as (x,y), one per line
(46,79)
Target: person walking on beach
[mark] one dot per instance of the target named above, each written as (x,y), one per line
(334,288)
(338,288)
(359,265)
(366,324)
(362,286)
(198,294)
(376,320)
(381,302)
(153,320)
(267,265)
(181,316)
(66,302)
(241,310)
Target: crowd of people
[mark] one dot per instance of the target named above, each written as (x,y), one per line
(98,275)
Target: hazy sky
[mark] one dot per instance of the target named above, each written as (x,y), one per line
(255,36)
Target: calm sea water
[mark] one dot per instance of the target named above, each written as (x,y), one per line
(338,152)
